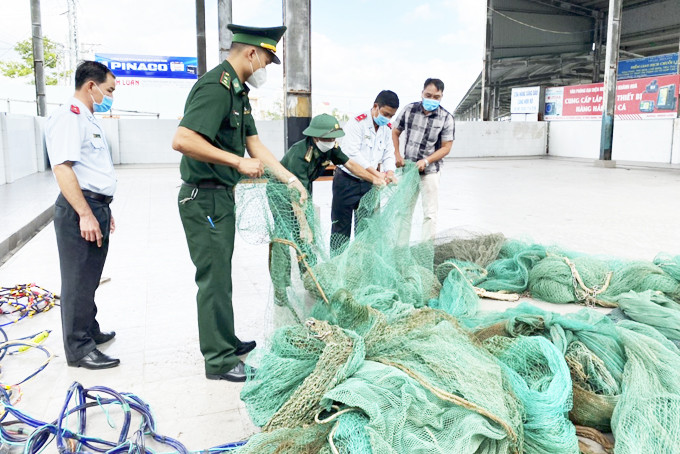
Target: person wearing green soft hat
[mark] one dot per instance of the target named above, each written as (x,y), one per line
(307,160)
(213,136)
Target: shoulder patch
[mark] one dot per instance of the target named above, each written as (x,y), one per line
(361,117)
(238,88)
(225,79)
(75,109)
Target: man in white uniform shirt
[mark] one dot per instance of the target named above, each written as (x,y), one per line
(368,141)
(82,166)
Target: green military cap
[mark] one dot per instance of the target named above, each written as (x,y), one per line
(324,126)
(266,38)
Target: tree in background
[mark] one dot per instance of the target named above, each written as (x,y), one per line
(17,69)
(275,113)
(341,116)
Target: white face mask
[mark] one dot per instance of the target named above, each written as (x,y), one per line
(325,146)
(259,77)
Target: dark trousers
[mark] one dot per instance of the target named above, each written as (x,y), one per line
(347,193)
(81,263)
(211,249)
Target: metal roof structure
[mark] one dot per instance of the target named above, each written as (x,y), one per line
(561,42)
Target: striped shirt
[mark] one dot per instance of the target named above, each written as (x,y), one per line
(424,133)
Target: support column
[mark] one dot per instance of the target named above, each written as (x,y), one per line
(496,102)
(486,72)
(297,69)
(38,58)
(224,18)
(612,59)
(200,36)
(597,52)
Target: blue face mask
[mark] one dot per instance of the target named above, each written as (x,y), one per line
(105,105)
(381,120)
(430,104)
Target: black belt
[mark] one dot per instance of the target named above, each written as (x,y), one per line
(205,185)
(98,197)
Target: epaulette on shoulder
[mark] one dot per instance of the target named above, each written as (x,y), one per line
(361,117)
(75,109)
(225,79)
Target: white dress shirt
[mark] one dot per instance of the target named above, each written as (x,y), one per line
(366,146)
(72,133)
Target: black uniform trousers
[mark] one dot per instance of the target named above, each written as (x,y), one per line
(81,263)
(347,193)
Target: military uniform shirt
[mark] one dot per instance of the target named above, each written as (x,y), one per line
(307,162)
(218,108)
(73,134)
(368,147)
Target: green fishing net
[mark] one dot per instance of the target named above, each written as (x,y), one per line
(381,347)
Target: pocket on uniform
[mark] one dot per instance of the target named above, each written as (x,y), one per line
(224,205)
(97,143)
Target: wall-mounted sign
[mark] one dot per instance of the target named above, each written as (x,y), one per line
(138,66)
(636,99)
(525,100)
(658,65)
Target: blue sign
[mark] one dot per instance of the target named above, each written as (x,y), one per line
(658,65)
(150,66)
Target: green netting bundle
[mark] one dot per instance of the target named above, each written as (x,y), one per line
(377,370)
(653,309)
(457,296)
(540,379)
(647,418)
(640,277)
(511,271)
(467,246)
(670,264)
(552,280)
(405,417)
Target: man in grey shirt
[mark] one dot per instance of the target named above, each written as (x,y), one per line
(429,132)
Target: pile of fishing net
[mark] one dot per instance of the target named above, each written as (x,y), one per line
(382,347)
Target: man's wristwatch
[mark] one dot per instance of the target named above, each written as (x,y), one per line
(292,180)
(427,163)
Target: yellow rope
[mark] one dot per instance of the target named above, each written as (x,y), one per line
(302,258)
(483,293)
(444,395)
(590,293)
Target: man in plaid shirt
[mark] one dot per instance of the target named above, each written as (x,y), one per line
(429,135)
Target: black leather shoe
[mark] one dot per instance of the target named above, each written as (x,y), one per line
(245,347)
(237,374)
(95,360)
(103,338)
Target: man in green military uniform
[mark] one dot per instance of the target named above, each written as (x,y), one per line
(307,160)
(213,136)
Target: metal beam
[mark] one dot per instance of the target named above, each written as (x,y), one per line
(38,58)
(200,36)
(486,71)
(567,6)
(224,19)
(612,59)
(297,69)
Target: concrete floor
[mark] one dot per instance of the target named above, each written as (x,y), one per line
(150,298)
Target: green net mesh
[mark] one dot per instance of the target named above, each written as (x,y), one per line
(381,346)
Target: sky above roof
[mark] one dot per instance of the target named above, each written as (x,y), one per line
(359,47)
